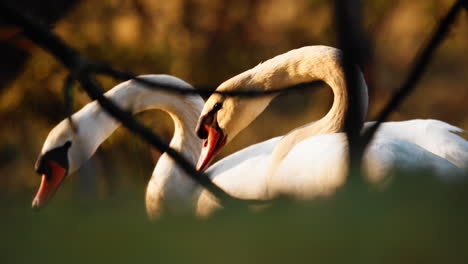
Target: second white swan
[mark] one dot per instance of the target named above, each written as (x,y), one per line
(312,159)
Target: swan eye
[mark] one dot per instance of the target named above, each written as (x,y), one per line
(217,106)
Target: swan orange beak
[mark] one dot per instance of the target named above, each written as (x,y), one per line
(212,145)
(49,184)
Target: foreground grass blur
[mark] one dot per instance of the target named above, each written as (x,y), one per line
(415,219)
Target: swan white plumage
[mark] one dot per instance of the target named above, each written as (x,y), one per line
(242,174)
(65,150)
(312,159)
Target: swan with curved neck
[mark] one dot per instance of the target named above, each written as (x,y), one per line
(312,159)
(65,149)
(224,117)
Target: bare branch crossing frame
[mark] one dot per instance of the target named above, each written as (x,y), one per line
(82,70)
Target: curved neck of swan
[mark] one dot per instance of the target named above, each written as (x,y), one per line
(168,181)
(316,63)
(306,65)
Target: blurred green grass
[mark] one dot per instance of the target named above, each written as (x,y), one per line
(415,219)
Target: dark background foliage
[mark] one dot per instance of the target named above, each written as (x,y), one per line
(204,43)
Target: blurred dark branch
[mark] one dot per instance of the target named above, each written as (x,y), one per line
(352,41)
(15,50)
(82,69)
(123,75)
(39,33)
(418,68)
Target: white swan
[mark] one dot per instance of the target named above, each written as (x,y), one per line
(65,150)
(309,160)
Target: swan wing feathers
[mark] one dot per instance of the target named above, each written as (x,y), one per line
(240,175)
(238,158)
(313,167)
(435,136)
(319,164)
(385,155)
(246,180)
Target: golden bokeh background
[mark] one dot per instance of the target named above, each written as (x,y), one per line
(205,42)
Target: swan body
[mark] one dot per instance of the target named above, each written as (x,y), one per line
(435,136)
(312,159)
(324,168)
(322,172)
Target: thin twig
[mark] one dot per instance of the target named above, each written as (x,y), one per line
(82,69)
(352,41)
(419,66)
(151,84)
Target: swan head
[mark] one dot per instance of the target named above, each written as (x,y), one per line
(223,117)
(62,153)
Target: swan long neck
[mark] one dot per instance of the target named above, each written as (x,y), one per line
(315,63)
(307,64)
(168,182)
